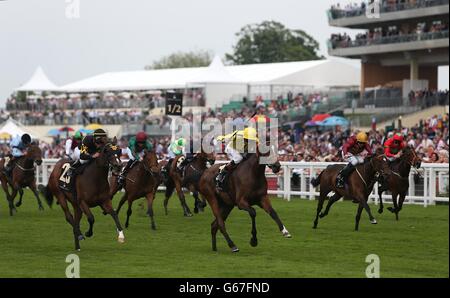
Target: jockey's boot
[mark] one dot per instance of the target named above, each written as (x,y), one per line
(220,179)
(123,174)
(343,174)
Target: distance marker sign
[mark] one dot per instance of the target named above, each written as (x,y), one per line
(174,104)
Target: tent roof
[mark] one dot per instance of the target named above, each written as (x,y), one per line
(38,82)
(14,129)
(307,73)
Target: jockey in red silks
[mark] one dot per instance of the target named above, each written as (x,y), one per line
(393,147)
(352,153)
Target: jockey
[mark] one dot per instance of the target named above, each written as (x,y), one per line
(237,143)
(18,148)
(352,153)
(72,144)
(134,151)
(88,149)
(393,147)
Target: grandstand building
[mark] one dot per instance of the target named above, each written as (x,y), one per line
(401,47)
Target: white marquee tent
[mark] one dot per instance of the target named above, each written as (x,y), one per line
(14,128)
(38,82)
(226,80)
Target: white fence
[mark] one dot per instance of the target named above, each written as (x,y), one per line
(293,182)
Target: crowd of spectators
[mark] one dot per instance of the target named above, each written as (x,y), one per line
(354,9)
(391,34)
(430,138)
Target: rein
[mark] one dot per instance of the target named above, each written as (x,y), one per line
(24,169)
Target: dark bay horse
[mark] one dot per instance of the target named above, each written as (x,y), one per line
(358,187)
(23,175)
(91,188)
(247,186)
(398,182)
(189,179)
(142,180)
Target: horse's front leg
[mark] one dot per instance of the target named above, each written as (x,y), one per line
(108,209)
(186,210)
(267,206)
(12,208)
(252,212)
(36,194)
(150,197)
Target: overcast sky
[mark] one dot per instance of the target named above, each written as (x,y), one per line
(114,35)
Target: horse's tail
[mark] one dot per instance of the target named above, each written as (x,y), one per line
(47,194)
(316,181)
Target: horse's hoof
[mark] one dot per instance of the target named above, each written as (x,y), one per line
(153,227)
(373,221)
(188,215)
(120,239)
(287,235)
(41,208)
(195,210)
(80,237)
(18,204)
(391,209)
(78,249)
(234,249)
(322,215)
(254,242)
(380,211)
(88,234)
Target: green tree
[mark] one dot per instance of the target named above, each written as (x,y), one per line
(182,59)
(270,42)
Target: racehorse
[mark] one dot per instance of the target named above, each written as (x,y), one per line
(246,186)
(189,179)
(398,183)
(142,180)
(358,187)
(91,189)
(23,175)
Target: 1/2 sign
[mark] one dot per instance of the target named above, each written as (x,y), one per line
(174,104)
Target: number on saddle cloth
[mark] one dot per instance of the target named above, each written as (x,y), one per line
(65,178)
(180,161)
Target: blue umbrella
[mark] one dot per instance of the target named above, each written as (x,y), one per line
(334,121)
(53,132)
(85,131)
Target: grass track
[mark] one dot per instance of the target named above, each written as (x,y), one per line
(35,244)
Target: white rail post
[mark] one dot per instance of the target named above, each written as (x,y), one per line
(432,186)
(412,187)
(286,182)
(311,188)
(425,187)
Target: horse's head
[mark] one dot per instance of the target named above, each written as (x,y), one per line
(34,153)
(272,159)
(411,157)
(110,157)
(380,165)
(150,161)
(209,158)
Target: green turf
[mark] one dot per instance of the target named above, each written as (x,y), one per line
(35,244)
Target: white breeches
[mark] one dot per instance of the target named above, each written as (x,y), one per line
(354,159)
(233,154)
(17,152)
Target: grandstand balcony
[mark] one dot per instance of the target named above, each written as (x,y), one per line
(392,44)
(389,13)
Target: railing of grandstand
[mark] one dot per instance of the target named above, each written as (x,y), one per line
(388,39)
(293,182)
(386,7)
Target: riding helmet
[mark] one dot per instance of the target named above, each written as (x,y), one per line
(362,137)
(141,137)
(26,139)
(398,137)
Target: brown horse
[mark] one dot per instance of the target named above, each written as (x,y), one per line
(91,190)
(398,183)
(247,186)
(23,175)
(358,188)
(189,179)
(142,180)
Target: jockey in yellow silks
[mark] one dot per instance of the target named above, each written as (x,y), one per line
(237,144)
